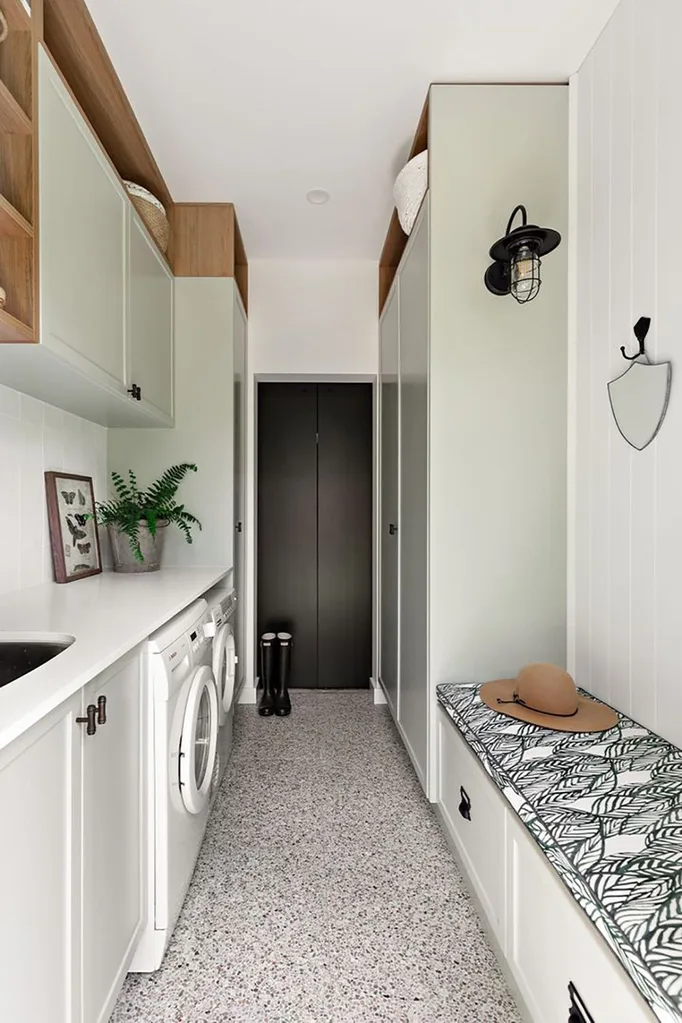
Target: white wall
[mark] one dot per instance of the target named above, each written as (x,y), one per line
(306,317)
(626,545)
(310,316)
(35,438)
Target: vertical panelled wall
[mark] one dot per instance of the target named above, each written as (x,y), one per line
(625,639)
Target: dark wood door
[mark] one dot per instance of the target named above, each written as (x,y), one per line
(287,521)
(344,535)
(315,528)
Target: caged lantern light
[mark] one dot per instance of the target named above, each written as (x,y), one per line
(516,267)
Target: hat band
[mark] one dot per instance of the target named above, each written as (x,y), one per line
(517,699)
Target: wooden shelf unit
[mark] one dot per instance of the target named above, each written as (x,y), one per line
(17,14)
(12,223)
(396,239)
(12,329)
(17,173)
(13,120)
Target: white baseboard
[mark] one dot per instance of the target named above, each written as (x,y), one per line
(378,693)
(247,695)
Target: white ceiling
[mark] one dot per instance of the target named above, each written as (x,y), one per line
(258,101)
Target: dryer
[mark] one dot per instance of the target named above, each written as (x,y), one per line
(183,745)
(219,626)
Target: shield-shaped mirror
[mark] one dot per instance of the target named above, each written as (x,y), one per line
(639,401)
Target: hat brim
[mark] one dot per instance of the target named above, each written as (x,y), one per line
(590,717)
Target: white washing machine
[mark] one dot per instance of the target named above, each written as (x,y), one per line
(183,743)
(219,627)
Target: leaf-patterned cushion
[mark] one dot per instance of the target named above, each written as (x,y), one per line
(606,810)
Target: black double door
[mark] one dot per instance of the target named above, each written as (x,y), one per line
(315,528)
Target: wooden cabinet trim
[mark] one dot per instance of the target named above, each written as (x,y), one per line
(396,239)
(207,242)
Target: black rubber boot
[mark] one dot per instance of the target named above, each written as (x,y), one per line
(282,701)
(266,703)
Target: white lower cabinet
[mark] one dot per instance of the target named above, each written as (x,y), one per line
(476,819)
(543,936)
(551,943)
(113,831)
(71,855)
(39,873)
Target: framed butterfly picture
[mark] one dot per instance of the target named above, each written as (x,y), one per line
(73,531)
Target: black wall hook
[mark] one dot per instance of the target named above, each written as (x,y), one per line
(641,329)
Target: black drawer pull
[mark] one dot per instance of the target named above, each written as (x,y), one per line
(465,805)
(101,710)
(91,712)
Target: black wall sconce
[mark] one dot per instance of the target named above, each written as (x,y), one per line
(516,270)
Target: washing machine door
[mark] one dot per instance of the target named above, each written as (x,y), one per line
(224,664)
(199,741)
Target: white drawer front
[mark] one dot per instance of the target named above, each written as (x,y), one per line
(551,942)
(480,838)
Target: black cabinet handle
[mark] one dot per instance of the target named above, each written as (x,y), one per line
(239,527)
(102,710)
(465,805)
(89,720)
(136,392)
(392,529)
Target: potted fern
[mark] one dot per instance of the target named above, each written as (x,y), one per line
(137,519)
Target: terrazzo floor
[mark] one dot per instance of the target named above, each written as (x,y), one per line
(324,892)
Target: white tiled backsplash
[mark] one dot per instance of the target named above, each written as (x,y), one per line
(34,438)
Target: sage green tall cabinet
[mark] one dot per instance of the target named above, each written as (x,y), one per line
(239,364)
(473,417)
(210,371)
(389,358)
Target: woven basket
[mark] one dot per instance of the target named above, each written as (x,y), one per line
(152,213)
(410,188)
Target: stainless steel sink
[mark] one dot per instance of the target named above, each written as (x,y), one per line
(22,652)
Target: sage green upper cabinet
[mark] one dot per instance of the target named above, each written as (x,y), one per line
(150,321)
(104,291)
(82,239)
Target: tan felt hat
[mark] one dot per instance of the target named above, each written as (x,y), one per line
(545,695)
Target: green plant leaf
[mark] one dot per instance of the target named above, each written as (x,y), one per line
(130,506)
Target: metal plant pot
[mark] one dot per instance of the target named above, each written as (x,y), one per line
(151,546)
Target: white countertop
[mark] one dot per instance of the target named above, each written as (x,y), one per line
(108,615)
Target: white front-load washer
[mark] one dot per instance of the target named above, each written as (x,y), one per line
(183,743)
(219,626)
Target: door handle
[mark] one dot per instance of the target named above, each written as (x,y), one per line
(392,529)
(239,527)
(101,710)
(135,392)
(465,805)
(89,720)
